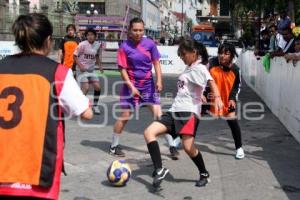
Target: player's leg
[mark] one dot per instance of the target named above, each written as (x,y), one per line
(236,134)
(97,92)
(118,129)
(156,110)
(190,148)
(151,133)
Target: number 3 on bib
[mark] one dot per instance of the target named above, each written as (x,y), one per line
(13,107)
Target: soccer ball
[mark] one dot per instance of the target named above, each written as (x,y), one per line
(118,173)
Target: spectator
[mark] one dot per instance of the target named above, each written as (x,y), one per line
(289,47)
(263,44)
(284,22)
(276,40)
(294,57)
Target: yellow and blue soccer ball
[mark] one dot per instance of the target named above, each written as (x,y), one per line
(118,173)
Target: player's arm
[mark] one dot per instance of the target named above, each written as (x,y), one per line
(60,52)
(157,69)
(98,63)
(216,94)
(87,114)
(236,85)
(76,54)
(72,100)
(127,81)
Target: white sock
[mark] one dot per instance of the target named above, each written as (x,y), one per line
(115,140)
(177,141)
(170,140)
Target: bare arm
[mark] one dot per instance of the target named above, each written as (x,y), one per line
(87,114)
(78,63)
(157,69)
(127,81)
(98,62)
(60,56)
(216,94)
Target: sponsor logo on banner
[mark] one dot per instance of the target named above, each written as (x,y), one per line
(8,48)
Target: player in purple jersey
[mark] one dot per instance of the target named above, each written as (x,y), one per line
(135,59)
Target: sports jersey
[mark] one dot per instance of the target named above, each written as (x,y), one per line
(138,60)
(87,53)
(68,46)
(228,82)
(34,91)
(190,86)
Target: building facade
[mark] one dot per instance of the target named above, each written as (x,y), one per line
(151,17)
(108,17)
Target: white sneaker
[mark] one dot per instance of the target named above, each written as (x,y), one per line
(240,153)
(96,110)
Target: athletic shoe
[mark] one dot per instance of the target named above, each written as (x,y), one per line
(159,175)
(203,180)
(174,153)
(240,153)
(116,151)
(96,110)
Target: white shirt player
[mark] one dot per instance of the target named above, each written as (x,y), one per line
(86,53)
(190,86)
(71,98)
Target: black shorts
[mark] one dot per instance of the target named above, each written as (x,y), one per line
(180,123)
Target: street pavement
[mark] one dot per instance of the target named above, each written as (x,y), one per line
(270,170)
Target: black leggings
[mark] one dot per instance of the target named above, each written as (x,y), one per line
(236,132)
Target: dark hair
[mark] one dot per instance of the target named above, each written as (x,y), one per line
(31,31)
(264,32)
(135,20)
(287,29)
(227,47)
(190,45)
(71,26)
(90,30)
(273,26)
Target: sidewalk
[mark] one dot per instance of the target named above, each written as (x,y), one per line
(270,170)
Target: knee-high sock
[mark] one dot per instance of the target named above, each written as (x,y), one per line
(96,96)
(199,162)
(154,151)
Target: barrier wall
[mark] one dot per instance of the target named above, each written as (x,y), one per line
(278,88)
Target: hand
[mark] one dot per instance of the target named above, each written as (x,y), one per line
(203,99)
(218,104)
(101,69)
(159,86)
(81,68)
(135,92)
(232,104)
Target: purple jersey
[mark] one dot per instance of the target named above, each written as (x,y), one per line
(137,59)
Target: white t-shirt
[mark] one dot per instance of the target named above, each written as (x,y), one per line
(86,53)
(190,86)
(71,98)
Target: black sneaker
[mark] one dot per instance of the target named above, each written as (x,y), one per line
(174,153)
(203,180)
(116,151)
(160,174)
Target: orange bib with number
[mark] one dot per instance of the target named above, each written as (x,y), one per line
(23,117)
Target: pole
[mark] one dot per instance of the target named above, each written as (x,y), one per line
(182,18)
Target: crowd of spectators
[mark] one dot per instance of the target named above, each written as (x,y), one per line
(277,39)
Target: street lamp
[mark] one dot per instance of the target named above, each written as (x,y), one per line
(91,12)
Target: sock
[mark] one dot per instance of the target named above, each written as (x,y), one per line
(170,140)
(115,140)
(96,96)
(236,132)
(199,162)
(154,151)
